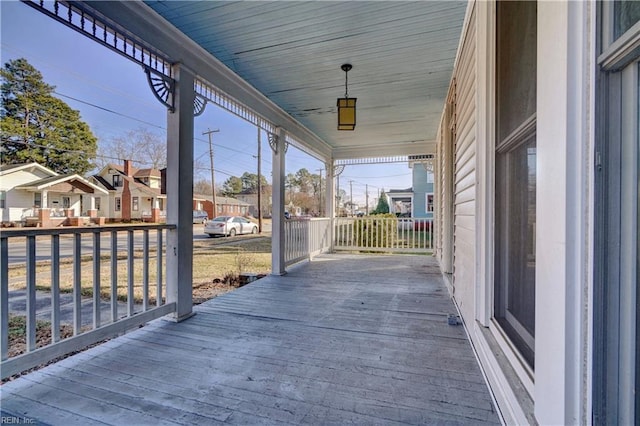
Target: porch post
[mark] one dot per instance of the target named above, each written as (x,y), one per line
(180,194)
(44,201)
(330,200)
(277,216)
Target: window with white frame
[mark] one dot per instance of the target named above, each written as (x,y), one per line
(117,181)
(429,202)
(66,202)
(3,199)
(515,162)
(118,204)
(97,203)
(37,200)
(135,204)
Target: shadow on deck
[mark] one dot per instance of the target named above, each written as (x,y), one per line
(343,339)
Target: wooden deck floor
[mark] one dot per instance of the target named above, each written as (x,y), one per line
(344,339)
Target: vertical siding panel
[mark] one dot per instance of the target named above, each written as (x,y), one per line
(465,175)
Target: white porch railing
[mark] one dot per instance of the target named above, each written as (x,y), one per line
(306,238)
(378,234)
(108,318)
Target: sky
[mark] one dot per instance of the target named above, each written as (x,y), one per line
(113,97)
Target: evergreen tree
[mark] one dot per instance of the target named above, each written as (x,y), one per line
(383,204)
(232,186)
(38,127)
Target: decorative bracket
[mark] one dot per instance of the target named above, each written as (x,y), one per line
(162,87)
(199,104)
(337,170)
(273,143)
(427,165)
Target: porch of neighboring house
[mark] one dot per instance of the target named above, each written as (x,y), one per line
(62,201)
(343,339)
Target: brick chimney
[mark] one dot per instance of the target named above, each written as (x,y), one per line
(127,167)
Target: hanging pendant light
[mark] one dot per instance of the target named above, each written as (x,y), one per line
(346,105)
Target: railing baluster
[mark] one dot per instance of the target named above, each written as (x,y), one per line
(145,270)
(55,288)
(77,284)
(31,293)
(96,279)
(159,270)
(413,234)
(130,273)
(114,276)
(4,298)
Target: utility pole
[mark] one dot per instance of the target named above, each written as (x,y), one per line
(351,196)
(320,194)
(259,182)
(213,179)
(367,197)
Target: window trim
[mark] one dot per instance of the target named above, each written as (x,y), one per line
(135,204)
(426,202)
(117,204)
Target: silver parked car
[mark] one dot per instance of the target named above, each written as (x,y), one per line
(230,225)
(200,216)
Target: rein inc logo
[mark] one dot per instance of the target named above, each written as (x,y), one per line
(16,420)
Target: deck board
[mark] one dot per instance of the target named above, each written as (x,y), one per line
(344,339)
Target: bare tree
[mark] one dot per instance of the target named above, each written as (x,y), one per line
(145,148)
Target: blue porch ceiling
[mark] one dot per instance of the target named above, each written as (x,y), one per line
(402,55)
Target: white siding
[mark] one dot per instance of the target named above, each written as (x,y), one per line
(465,176)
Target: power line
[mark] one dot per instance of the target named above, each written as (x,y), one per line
(108,110)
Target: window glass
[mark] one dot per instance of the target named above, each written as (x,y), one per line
(135,204)
(117,181)
(117,206)
(516,67)
(625,14)
(66,202)
(3,198)
(98,203)
(515,199)
(37,199)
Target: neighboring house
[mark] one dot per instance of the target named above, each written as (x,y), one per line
(418,201)
(225,206)
(25,188)
(251,198)
(350,208)
(132,193)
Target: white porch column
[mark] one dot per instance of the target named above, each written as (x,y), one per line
(180,195)
(330,201)
(92,202)
(277,217)
(44,201)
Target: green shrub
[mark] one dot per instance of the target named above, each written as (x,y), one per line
(375,231)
